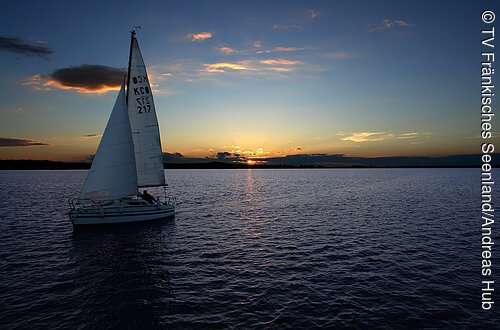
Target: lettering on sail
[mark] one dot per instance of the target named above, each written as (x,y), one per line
(141,90)
(143,103)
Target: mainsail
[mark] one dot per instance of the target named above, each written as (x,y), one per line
(113,171)
(143,122)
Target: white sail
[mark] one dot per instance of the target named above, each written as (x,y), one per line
(143,121)
(113,172)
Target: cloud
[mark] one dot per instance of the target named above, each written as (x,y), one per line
(270,67)
(408,135)
(256,48)
(280,61)
(312,14)
(368,137)
(298,149)
(223,154)
(279,50)
(89,136)
(82,79)
(278,69)
(226,50)
(237,155)
(160,72)
(200,36)
(37,82)
(17,45)
(89,78)
(15,143)
(221,66)
(416,137)
(388,24)
(381,136)
(288,26)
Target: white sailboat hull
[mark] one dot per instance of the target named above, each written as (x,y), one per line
(121,211)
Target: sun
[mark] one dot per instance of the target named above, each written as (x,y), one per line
(250,162)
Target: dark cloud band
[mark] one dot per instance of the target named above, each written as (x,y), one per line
(12,143)
(17,45)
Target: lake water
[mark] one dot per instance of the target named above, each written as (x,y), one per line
(328,248)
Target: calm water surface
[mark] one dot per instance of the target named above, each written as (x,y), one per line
(394,248)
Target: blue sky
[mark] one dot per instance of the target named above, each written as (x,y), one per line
(259,78)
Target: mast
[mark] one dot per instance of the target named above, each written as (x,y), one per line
(132,37)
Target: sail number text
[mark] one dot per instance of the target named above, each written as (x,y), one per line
(144,104)
(143,89)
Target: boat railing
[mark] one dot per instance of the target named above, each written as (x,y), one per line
(76,203)
(170,200)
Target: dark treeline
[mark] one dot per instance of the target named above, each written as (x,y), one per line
(41,165)
(57,165)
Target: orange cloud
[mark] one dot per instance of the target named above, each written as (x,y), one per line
(200,36)
(368,137)
(280,61)
(85,90)
(41,83)
(37,83)
(220,66)
(408,135)
(249,153)
(277,69)
(279,50)
(226,50)
(415,135)
(86,78)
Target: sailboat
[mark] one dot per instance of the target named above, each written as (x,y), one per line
(129,157)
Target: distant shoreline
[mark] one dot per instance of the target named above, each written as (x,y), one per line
(57,165)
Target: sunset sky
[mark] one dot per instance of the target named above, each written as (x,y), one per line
(254,78)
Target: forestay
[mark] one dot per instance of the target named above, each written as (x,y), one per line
(113,171)
(143,122)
